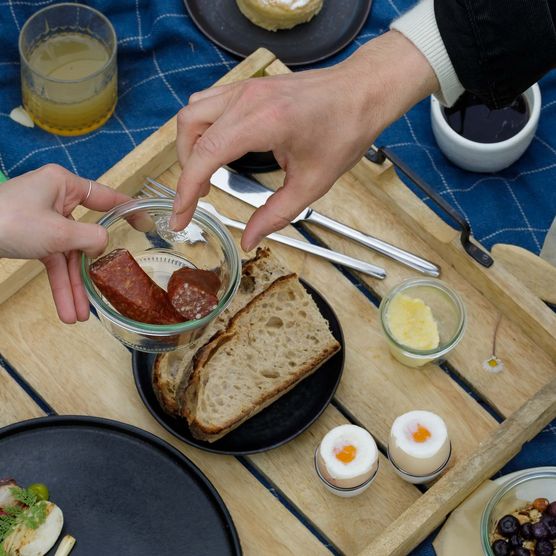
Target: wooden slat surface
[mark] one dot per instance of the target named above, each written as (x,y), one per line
(15,404)
(365,368)
(356,203)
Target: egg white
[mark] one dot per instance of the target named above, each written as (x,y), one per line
(365,456)
(406,424)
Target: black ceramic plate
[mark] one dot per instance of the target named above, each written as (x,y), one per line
(122,490)
(332,29)
(280,422)
(253,162)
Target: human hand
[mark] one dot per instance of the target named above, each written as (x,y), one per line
(317,123)
(36,223)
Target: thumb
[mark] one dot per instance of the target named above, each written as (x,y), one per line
(89,238)
(280,209)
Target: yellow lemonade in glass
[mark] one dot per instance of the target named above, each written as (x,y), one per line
(68,75)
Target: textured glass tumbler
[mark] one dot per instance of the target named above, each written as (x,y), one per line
(68,68)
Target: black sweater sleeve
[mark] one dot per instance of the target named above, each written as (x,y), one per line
(498,48)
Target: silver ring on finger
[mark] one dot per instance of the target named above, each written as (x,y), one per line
(88,193)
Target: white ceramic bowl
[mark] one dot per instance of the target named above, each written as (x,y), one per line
(485,157)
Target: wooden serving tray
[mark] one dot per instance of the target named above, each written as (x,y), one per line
(82,369)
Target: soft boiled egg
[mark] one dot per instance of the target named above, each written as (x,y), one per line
(347,456)
(419,442)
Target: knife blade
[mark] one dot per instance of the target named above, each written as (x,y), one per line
(253,193)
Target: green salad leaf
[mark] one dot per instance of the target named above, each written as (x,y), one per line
(32,513)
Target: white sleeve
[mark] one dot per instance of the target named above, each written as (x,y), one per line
(419,26)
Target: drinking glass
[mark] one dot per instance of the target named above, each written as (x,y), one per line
(68,68)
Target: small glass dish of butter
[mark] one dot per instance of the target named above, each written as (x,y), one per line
(423,320)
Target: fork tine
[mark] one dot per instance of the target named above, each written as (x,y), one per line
(152,192)
(158,187)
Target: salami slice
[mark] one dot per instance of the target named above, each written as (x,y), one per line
(131,291)
(193,292)
(206,280)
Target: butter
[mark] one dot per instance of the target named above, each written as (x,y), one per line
(411,323)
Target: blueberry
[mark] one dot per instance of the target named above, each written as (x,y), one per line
(526,531)
(544,548)
(521,551)
(515,541)
(551,509)
(500,548)
(540,531)
(550,523)
(508,526)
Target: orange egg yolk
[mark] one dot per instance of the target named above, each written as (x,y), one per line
(422,434)
(346,454)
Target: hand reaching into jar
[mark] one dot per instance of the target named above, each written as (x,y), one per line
(317,123)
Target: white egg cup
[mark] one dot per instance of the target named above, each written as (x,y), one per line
(485,157)
(344,492)
(419,479)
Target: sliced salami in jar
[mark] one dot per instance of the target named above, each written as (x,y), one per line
(131,291)
(192,292)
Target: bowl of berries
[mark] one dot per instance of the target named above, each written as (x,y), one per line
(520,518)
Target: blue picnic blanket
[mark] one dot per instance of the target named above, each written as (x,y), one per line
(163,58)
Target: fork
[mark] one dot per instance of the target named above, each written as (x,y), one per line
(153,188)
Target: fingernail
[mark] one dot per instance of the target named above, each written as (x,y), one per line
(253,243)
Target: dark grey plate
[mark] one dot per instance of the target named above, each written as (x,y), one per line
(337,24)
(253,162)
(280,422)
(122,490)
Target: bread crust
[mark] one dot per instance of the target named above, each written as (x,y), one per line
(169,388)
(213,433)
(161,386)
(177,388)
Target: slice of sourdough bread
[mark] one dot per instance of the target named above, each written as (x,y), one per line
(277,340)
(171,371)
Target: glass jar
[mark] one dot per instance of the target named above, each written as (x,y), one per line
(514,495)
(447,310)
(142,227)
(68,68)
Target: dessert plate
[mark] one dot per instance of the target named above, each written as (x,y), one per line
(279,423)
(337,24)
(122,490)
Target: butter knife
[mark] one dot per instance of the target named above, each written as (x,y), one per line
(256,195)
